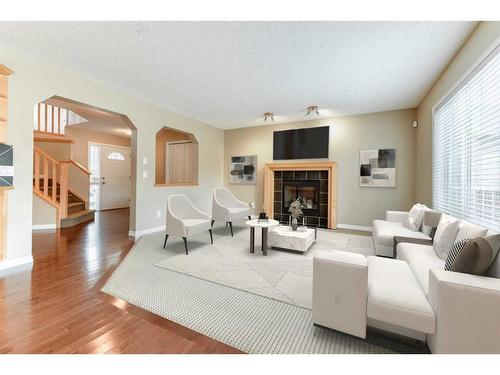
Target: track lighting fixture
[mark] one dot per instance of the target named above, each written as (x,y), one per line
(268,115)
(312,109)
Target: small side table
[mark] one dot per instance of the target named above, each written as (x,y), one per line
(265,225)
(399,239)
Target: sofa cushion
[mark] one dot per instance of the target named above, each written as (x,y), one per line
(446,233)
(477,256)
(384,232)
(415,217)
(454,252)
(421,259)
(399,303)
(469,230)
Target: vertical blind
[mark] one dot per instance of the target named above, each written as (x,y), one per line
(466,147)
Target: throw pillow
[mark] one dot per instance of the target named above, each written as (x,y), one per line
(454,252)
(477,255)
(444,238)
(415,217)
(469,230)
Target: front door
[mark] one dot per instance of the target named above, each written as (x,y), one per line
(115,177)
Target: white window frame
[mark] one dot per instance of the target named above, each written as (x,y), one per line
(465,77)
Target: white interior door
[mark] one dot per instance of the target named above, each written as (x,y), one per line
(115,177)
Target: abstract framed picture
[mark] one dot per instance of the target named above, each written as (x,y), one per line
(243,169)
(6,165)
(377,168)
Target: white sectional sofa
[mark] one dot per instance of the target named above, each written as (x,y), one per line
(385,230)
(412,296)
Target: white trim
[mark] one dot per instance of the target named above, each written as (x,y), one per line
(137,234)
(469,71)
(43,226)
(16,262)
(354,227)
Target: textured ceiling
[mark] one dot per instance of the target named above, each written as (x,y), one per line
(228,73)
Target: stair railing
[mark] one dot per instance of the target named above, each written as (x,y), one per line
(50,177)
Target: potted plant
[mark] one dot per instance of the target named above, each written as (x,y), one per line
(295,212)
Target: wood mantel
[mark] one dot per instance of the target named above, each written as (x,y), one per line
(329,166)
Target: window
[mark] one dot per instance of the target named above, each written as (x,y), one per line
(116,156)
(466,147)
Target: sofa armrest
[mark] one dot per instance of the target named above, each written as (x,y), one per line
(467,308)
(396,216)
(340,283)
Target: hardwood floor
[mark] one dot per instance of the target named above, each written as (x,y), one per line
(56,307)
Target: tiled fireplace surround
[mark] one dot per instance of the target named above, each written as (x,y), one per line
(316,178)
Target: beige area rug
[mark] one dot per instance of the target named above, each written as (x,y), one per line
(283,276)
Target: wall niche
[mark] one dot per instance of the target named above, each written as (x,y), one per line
(176,158)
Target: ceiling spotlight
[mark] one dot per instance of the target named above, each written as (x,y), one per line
(268,115)
(312,109)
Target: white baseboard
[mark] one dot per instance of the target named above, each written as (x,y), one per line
(354,227)
(43,226)
(16,262)
(138,233)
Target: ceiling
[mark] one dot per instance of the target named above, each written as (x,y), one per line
(98,121)
(228,73)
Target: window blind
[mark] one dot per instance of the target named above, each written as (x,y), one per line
(466,147)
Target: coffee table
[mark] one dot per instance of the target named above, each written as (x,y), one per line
(298,241)
(265,225)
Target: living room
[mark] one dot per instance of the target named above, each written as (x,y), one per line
(314,187)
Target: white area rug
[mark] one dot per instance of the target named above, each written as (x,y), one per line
(280,275)
(245,320)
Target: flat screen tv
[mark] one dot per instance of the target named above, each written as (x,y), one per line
(310,143)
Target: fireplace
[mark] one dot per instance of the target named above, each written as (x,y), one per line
(306,191)
(311,187)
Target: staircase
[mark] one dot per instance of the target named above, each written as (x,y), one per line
(51,184)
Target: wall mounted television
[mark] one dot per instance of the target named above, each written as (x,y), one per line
(309,143)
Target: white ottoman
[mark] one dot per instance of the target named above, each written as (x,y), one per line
(282,237)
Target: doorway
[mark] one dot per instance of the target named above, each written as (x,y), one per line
(110,168)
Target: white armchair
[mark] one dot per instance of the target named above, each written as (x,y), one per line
(227,208)
(184,219)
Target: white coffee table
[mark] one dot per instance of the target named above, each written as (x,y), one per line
(265,225)
(284,238)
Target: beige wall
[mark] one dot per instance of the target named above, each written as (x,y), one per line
(34,81)
(348,135)
(43,214)
(58,151)
(484,35)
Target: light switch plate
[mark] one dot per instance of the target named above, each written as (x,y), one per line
(145,160)
(144,174)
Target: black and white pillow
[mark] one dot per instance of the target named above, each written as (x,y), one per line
(454,252)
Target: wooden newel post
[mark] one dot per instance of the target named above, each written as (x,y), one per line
(63,185)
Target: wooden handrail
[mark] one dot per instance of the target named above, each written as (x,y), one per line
(46,168)
(79,166)
(40,151)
